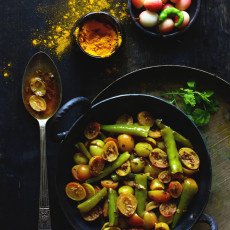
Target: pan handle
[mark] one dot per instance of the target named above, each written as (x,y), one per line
(205,218)
(77,101)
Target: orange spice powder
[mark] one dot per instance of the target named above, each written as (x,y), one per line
(98,38)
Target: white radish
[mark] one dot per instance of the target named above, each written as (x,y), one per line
(148,18)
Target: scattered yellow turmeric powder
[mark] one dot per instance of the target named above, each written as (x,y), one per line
(62,16)
(5,69)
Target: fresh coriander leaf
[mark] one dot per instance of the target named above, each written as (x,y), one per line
(208,93)
(198,98)
(200,117)
(189,97)
(198,105)
(205,96)
(191,84)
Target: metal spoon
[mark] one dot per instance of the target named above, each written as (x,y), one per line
(42,103)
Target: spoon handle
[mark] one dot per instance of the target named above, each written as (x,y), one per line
(44,221)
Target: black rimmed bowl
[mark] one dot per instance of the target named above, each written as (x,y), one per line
(103,17)
(107,111)
(193,11)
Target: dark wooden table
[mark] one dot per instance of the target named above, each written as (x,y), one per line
(205,46)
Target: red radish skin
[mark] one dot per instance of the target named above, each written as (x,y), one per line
(167,6)
(153,5)
(186,20)
(174,1)
(183,4)
(166,26)
(164,1)
(138,3)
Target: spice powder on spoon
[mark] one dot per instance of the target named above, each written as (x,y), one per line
(97,38)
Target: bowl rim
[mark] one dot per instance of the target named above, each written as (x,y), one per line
(113,21)
(158,35)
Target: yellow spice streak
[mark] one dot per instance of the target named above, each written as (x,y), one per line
(63,16)
(6,74)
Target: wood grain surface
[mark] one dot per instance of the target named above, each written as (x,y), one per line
(205,46)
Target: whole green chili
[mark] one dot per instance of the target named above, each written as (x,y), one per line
(112,167)
(190,188)
(178,137)
(173,156)
(141,193)
(130,176)
(113,212)
(89,204)
(84,150)
(169,11)
(138,130)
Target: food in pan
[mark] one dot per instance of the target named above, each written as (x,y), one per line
(163,15)
(135,173)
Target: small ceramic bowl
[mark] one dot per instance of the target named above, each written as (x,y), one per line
(193,11)
(102,17)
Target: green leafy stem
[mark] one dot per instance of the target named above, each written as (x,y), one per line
(198,105)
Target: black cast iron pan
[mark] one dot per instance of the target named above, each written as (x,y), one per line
(107,111)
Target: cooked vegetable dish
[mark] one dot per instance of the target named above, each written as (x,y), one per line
(135,173)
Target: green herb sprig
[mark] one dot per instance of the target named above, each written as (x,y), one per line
(198,105)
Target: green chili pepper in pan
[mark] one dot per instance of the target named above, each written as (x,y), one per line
(89,204)
(141,193)
(190,188)
(130,176)
(181,139)
(178,137)
(138,130)
(173,156)
(169,11)
(113,212)
(112,167)
(82,147)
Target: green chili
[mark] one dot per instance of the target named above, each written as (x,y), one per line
(141,193)
(178,137)
(130,176)
(181,139)
(169,11)
(112,167)
(190,188)
(113,212)
(173,156)
(138,130)
(89,204)
(84,150)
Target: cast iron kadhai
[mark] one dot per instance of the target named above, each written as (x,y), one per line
(107,111)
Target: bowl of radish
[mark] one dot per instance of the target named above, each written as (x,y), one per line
(164,18)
